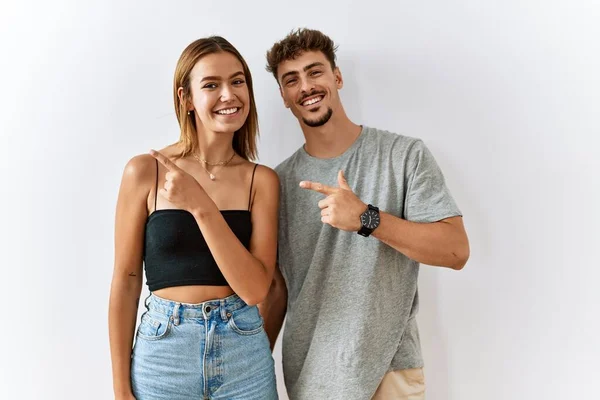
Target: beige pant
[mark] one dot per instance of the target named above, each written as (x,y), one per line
(406,384)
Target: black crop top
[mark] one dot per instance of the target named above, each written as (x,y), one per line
(175,252)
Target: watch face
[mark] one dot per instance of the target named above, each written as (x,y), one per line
(370,219)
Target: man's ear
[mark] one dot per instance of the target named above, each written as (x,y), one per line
(285,103)
(339,80)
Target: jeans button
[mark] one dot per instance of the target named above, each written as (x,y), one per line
(207,309)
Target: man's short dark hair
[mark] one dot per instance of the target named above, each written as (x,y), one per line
(297,42)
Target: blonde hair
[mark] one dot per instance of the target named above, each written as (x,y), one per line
(244,139)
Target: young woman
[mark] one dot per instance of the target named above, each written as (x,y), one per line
(202,219)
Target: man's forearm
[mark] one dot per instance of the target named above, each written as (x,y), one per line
(274,307)
(442,243)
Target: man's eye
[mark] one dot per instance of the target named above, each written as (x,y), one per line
(315,73)
(291,81)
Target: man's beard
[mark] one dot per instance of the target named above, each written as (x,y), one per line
(321,121)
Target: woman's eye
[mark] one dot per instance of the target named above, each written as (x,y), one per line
(210,86)
(239,82)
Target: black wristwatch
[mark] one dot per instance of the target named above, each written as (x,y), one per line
(369,220)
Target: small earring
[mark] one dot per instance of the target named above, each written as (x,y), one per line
(189,113)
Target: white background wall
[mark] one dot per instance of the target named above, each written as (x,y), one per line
(505,93)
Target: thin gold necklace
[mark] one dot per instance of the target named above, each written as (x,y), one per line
(202,161)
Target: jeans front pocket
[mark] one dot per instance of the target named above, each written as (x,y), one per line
(246,321)
(153,327)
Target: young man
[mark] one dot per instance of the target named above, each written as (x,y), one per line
(360,209)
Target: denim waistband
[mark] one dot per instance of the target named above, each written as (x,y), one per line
(223,307)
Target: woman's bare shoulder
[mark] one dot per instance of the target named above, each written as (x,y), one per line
(266,178)
(140,169)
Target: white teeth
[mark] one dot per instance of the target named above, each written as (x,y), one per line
(227,111)
(312,101)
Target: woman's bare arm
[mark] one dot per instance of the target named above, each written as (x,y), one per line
(131,214)
(248,272)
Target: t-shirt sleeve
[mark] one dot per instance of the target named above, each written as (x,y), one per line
(427,199)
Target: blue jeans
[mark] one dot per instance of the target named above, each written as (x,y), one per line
(212,350)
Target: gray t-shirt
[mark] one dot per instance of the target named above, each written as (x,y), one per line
(352,301)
